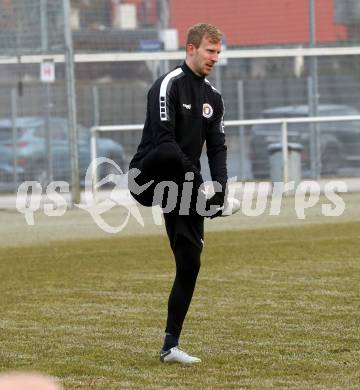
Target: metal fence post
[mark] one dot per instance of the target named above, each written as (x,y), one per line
(241,112)
(47,100)
(95,94)
(285,153)
(71,101)
(48,135)
(314,93)
(93,151)
(14,134)
(312,131)
(44,26)
(218,81)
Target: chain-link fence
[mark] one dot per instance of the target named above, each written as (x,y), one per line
(111,84)
(38,137)
(32,26)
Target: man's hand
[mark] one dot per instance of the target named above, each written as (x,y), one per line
(215,204)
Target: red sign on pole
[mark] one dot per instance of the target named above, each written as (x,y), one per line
(47,71)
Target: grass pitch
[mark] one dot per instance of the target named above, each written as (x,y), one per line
(273,308)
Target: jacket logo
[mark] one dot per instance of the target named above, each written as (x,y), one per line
(207,110)
(187,106)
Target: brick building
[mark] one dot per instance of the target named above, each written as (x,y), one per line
(259,22)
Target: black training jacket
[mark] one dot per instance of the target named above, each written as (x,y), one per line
(185,109)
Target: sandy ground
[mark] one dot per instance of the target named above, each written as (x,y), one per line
(77,223)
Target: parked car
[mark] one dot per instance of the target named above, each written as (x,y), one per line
(339,141)
(32,152)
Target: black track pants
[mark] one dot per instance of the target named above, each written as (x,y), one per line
(187,259)
(185,234)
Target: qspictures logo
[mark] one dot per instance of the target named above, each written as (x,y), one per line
(32,197)
(256,198)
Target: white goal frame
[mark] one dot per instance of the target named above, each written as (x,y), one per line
(284,122)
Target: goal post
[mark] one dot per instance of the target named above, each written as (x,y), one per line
(93,145)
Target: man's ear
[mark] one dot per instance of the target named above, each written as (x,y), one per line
(190,49)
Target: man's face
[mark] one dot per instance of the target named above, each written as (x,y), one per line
(201,60)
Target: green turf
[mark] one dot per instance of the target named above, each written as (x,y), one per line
(273,308)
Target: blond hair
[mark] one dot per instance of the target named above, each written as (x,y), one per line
(197,32)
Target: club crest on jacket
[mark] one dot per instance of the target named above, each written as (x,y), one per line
(207,110)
